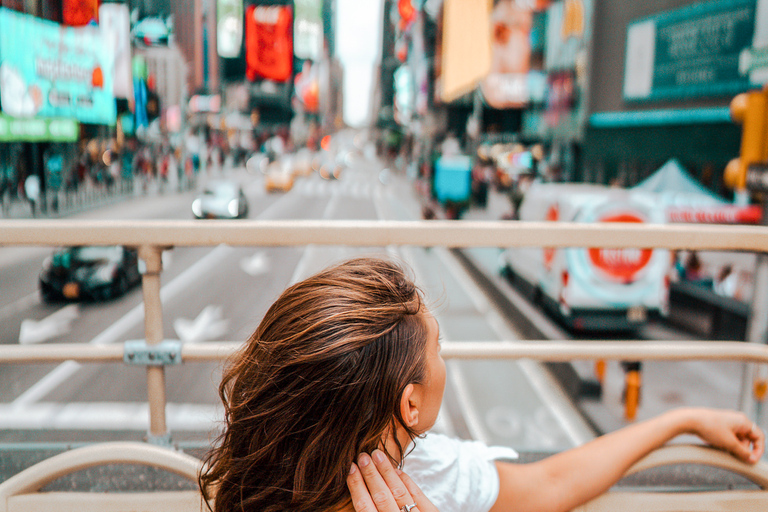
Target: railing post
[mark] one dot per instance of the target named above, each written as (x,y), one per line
(757,332)
(153,331)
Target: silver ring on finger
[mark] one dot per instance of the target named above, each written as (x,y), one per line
(407,508)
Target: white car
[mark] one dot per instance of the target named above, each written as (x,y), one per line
(220,200)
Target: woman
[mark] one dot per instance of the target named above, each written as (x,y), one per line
(320,381)
(347,362)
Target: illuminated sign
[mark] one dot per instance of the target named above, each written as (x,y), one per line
(308,29)
(116,30)
(229,28)
(506,86)
(268,42)
(205,103)
(38,129)
(47,70)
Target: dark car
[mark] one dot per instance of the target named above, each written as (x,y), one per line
(89,273)
(220,200)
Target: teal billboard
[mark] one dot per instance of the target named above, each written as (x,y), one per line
(698,50)
(48,70)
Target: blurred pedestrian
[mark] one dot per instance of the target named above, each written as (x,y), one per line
(726,282)
(32,192)
(693,267)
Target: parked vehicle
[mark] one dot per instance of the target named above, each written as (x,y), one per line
(151,32)
(221,200)
(89,273)
(592,289)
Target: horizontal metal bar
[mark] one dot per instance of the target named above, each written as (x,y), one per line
(57,352)
(542,350)
(165,233)
(545,350)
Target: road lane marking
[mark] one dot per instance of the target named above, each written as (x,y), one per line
(256,265)
(209,325)
(55,324)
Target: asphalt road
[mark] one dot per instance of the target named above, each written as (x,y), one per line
(220,293)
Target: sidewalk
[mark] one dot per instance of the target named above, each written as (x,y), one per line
(85,198)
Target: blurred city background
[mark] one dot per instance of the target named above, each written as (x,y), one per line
(539,110)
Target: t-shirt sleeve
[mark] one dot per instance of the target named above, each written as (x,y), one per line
(456,475)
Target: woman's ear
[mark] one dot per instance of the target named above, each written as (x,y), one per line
(409,405)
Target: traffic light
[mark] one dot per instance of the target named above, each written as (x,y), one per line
(749,109)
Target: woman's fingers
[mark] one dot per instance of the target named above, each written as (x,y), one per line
(749,441)
(361,499)
(376,486)
(756,437)
(378,493)
(396,486)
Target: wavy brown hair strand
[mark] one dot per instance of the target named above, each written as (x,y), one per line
(319,382)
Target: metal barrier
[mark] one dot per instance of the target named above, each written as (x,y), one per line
(153,237)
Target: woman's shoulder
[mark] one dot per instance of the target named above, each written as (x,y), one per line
(456,474)
(440,446)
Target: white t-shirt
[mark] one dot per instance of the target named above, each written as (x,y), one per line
(456,475)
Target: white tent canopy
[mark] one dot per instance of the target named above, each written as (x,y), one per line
(676,188)
(686,200)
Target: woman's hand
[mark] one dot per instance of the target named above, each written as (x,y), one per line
(731,431)
(379,487)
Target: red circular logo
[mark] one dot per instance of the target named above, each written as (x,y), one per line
(620,264)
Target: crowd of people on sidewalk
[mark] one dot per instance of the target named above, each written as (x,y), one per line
(76,174)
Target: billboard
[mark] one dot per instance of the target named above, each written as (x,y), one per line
(79,13)
(269,43)
(47,70)
(511,82)
(115,27)
(308,29)
(697,51)
(569,27)
(229,28)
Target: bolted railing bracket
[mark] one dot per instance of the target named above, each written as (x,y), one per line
(165,353)
(161,440)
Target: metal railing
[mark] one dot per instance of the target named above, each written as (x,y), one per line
(153,237)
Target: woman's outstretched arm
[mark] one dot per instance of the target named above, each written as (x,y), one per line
(571,478)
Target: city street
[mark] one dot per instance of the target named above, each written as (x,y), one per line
(221,293)
(212,294)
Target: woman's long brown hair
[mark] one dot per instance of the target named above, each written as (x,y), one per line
(318,383)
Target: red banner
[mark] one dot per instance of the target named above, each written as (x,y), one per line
(716,214)
(268,42)
(77,13)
